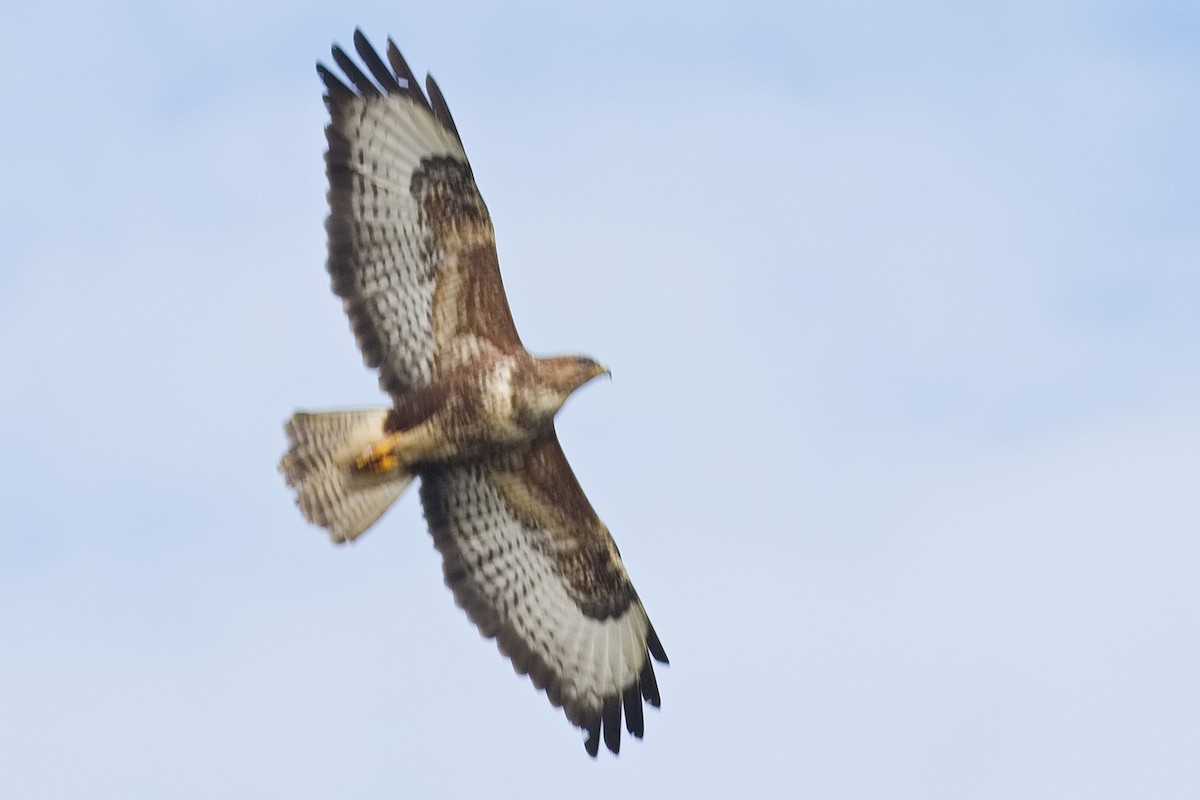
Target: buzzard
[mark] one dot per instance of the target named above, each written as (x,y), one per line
(412,255)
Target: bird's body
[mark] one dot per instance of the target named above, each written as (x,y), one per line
(494,403)
(412,255)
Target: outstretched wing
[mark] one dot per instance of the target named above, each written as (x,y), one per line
(534,567)
(411,248)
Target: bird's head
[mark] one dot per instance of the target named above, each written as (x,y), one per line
(557,378)
(575,371)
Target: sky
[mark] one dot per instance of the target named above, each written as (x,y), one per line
(902,304)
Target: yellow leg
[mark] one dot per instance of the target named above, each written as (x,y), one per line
(381,457)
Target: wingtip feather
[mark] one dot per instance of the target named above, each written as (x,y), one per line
(375,64)
(440,109)
(656,648)
(634,721)
(649,685)
(412,87)
(592,742)
(612,723)
(361,82)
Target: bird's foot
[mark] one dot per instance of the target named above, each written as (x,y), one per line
(380,458)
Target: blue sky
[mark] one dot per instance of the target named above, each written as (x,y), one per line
(903,309)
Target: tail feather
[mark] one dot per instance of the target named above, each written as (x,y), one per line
(322,448)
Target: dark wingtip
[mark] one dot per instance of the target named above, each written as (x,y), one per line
(361,82)
(412,87)
(592,742)
(440,110)
(334,88)
(649,684)
(656,648)
(634,723)
(375,64)
(612,723)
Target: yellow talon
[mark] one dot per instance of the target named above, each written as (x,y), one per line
(380,458)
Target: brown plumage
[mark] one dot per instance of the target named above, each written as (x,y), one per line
(412,255)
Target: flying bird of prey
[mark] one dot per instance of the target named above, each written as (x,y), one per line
(413,257)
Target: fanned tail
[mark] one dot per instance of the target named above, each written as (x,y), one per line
(320,466)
